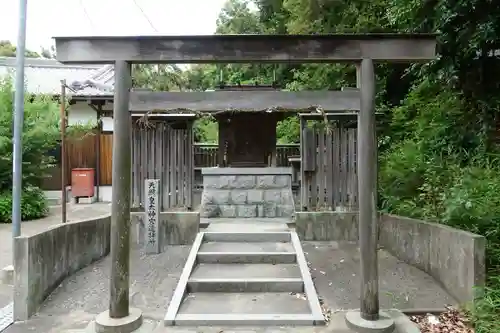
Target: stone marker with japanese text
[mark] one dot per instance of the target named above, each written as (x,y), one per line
(152,244)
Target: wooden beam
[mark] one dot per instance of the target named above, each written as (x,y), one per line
(166,116)
(216,101)
(330,116)
(346,117)
(246,48)
(98,150)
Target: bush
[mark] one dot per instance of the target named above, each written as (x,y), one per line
(40,135)
(206,130)
(486,310)
(33,205)
(437,168)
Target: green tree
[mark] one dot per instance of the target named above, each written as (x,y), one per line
(158,77)
(9,50)
(238,16)
(442,118)
(40,135)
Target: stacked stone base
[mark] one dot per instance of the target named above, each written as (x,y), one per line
(247,193)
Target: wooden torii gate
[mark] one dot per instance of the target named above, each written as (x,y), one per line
(361,49)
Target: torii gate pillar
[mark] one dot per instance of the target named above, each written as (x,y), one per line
(368,318)
(120,317)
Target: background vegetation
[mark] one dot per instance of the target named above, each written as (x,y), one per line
(40,134)
(439,144)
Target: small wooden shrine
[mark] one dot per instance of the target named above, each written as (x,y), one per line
(248,139)
(247,117)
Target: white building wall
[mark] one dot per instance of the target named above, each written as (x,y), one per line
(81,113)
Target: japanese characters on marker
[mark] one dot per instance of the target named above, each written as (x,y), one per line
(152,207)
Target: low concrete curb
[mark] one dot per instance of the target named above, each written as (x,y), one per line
(310,290)
(180,291)
(7,275)
(45,259)
(453,257)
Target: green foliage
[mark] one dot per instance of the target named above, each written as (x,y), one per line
(33,204)
(206,130)
(158,77)
(288,130)
(438,143)
(80,131)
(415,184)
(486,310)
(471,202)
(237,15)
(9,50)
(40,134)
(437,168)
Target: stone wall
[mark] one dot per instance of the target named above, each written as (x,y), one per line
(453,257)
(43,260)
(327,226)
(175,228)
(247,192)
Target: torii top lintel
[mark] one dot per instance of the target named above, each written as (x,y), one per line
(247,48)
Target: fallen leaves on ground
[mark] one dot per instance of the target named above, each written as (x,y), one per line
(327,312)
(451,321)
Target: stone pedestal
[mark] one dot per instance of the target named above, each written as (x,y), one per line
(247,193)
(385,323)
(105,324)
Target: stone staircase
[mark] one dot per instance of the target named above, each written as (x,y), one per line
(241,278)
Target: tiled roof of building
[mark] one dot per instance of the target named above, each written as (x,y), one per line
(43,76)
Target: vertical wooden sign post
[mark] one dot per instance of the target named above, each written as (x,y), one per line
(152,244)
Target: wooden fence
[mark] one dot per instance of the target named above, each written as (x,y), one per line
(328,164)
(82,153)
(106,158)
(328,169)
(162,152)
(205,155)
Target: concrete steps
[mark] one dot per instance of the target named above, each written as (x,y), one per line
(241,271)
(245,278)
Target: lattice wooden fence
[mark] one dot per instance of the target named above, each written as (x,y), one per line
(165,153)
(328,169)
